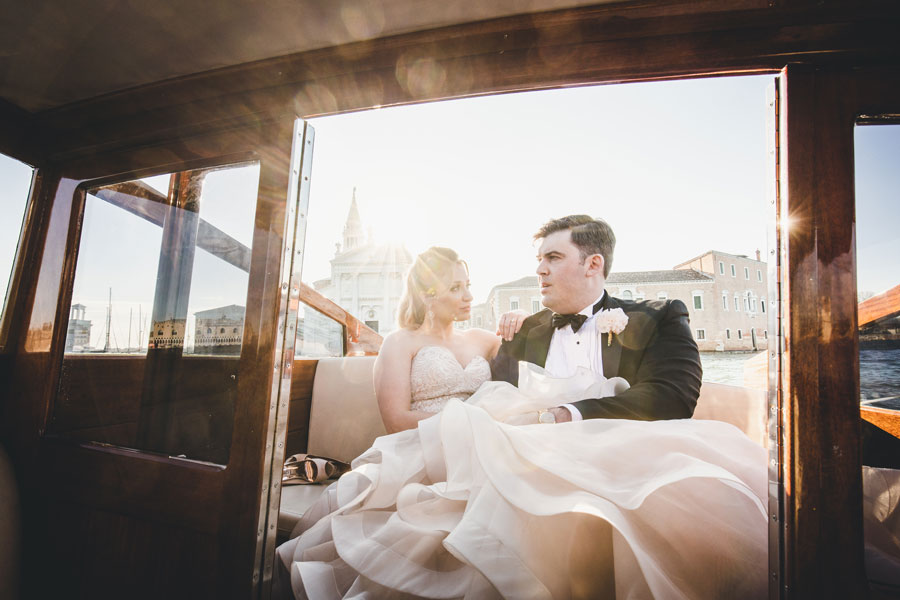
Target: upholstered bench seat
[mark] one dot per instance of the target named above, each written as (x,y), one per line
(343,422)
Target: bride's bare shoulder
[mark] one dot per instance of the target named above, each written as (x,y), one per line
(400,342)
(485,340)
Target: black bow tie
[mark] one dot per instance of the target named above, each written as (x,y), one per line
(576,321)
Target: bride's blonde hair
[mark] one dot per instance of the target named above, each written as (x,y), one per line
(429,275)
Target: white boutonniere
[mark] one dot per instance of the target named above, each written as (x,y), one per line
(612,322)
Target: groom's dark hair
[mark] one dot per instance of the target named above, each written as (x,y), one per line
(590,235)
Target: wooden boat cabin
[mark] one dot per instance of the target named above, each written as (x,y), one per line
(156,473)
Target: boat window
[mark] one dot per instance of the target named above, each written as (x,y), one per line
(156,318)
(878,277)
(652,159)
(15,179)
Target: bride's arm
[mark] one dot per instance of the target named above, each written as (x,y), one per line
(392,387)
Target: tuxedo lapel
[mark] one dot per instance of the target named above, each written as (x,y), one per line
(537,344)
(612,353)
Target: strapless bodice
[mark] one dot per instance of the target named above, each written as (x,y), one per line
(436,377)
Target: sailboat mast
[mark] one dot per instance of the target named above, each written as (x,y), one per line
(108,320)
(128,347)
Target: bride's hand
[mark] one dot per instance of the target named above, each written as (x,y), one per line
(510,323)
(528,418)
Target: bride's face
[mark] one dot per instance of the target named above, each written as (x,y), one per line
(454,301)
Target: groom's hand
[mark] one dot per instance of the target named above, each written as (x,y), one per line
(562,415)
(531,417)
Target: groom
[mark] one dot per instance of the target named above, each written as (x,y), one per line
(655,352)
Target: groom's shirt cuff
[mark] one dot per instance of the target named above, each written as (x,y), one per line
(576,415)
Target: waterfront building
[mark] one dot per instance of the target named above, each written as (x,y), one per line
(725,295)
(78,336)
(167,334)
(366,279)
(219,330)
(732,313)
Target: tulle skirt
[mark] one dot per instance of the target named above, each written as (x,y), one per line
(467,506)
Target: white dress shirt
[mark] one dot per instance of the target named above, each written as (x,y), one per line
(570,350)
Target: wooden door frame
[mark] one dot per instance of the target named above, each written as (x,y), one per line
(817,382)
(226,504)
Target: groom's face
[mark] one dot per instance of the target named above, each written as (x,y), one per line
(567,282)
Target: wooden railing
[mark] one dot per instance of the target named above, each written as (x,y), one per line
(883,306)
(359,338)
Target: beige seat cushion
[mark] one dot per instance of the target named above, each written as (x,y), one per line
(344,418)
(343,422)
(742,407)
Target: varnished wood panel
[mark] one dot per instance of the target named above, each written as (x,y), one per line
(606,43)
(99,399)
(190,497)
(823,484)
(301,402)
(125,554)
(17,127)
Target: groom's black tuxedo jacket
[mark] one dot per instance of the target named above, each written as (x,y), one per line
(656,354)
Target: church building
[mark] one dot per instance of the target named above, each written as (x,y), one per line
(366,278)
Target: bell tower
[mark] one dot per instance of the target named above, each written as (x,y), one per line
(354,236)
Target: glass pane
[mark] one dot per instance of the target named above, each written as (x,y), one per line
(15,181)
(113,291)
(317,334)
(878,276)
(157,314)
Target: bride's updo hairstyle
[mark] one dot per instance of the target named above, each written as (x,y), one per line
(429,275)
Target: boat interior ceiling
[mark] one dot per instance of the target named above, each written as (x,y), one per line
(99,96)
(123,66)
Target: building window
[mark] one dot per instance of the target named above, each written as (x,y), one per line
(747,273)
(727,334)
(698,300)
(222,330)
(733,271)
(234,330)
(746,304)
(740,335)
(765,334)
(724,300)
(762,305)
(662,296)
(209,330)
(626,295)
(758,275)
(701,334)
(639,297)
(535,306)
(721,268)
(514,303)
(737,302)
(478,321)
(753,304)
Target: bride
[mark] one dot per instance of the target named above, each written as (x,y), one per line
(459,502)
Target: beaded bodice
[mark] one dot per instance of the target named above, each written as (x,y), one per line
(436,377)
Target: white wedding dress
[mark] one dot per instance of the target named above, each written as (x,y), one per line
(466,506)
